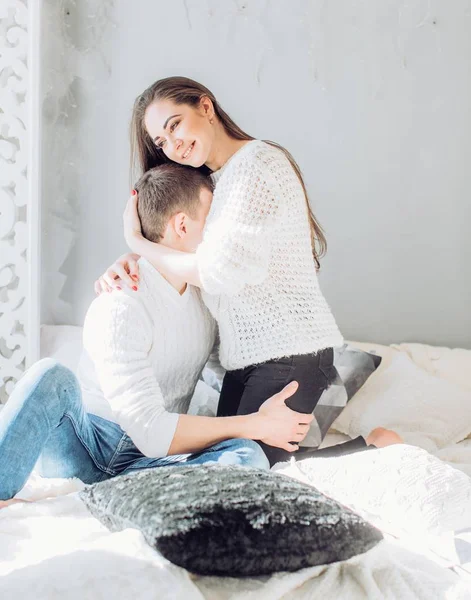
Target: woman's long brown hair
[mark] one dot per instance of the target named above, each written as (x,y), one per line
(181,90)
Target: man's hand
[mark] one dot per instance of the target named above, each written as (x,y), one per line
(277,425)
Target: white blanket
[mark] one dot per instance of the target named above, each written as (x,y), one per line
(55,549)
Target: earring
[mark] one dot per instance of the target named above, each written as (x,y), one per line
(211,121)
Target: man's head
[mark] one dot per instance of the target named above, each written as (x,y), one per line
(173,203)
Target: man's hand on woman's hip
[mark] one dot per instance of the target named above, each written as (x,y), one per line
(277,425)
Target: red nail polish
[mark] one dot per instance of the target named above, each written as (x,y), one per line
(134,288)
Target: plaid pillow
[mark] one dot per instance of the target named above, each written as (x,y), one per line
(351,368)
(462,547)
(455,548)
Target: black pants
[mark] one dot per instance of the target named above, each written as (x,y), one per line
(245,390)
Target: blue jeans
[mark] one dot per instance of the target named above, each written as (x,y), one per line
(45,419)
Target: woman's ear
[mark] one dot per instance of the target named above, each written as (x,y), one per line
(207,107)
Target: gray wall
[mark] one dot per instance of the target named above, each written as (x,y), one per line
(371,98)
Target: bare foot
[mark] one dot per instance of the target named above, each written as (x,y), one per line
(5,503)
(381,437)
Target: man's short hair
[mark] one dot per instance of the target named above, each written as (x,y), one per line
(165,191)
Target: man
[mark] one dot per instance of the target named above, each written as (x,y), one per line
(144,350)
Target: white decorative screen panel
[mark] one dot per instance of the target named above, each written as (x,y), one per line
(19,189)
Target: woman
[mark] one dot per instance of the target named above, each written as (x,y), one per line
(258,260)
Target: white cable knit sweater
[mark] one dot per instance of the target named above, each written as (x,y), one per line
(256,265)
(143,354)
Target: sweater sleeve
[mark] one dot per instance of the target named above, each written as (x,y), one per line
(237,242)
(118,338)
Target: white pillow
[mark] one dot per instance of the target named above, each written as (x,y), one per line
(401,489)
(62,342)
(453,364)
(425,410)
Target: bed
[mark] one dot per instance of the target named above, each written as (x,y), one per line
(419,497)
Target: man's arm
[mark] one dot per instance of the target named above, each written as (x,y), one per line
(274,423)
(118,338)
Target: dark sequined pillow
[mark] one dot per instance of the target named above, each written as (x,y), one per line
(216,520)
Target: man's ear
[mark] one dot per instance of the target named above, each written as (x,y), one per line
(180,224)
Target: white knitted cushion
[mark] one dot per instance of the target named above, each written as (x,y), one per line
(425,410)
(453,364)
(401,489)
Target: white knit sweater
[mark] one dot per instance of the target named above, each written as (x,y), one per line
(256,265)
(143,354)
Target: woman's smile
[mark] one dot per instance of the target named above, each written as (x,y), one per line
(187,152)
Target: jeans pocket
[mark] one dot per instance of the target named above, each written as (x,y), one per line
(126,454)
(281,369)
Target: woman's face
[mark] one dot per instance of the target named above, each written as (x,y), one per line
(182,132)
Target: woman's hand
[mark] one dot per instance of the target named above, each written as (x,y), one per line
(131,222)
(125,271)
(277,425)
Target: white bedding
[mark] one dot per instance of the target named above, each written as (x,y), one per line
(55,549)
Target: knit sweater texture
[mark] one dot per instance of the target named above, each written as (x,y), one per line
(143,354)
(256,265)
